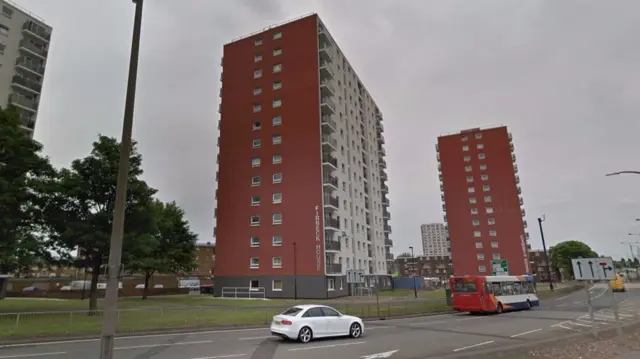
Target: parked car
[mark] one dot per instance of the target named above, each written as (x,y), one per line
(307,322)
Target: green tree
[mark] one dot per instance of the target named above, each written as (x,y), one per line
(171,249)
(25,174)
(80,213)
(622,263)
(562,253)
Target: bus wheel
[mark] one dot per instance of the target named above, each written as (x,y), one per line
(528,304)
(500,309)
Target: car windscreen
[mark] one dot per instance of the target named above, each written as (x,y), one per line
(292,311)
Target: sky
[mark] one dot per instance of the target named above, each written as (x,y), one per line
(564,76)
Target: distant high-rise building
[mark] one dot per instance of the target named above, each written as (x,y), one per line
(434,240)
(481,202)
(24,47)
(301,182)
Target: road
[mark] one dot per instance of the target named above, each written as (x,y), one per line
(424,337)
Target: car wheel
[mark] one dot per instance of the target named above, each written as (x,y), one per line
(500,308)
(355,331)
(305,334)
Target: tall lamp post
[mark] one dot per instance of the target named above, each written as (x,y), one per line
(295,272)
(546,255)
(415,272)
(110,321)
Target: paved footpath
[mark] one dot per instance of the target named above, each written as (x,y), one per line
(440,336)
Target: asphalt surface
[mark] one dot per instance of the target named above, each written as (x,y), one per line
(441,336)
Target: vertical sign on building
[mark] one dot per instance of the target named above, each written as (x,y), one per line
(527,270)
(318,241)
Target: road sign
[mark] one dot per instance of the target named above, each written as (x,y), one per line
(355,276)
(593,268)
(500,267)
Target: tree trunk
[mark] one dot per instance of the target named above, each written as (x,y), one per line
(93,290)
(145,291)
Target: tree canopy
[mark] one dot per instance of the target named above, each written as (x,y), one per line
(562,253)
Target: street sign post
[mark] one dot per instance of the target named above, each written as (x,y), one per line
(597,269)
(500,267)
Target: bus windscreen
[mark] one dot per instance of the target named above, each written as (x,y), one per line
(462,285)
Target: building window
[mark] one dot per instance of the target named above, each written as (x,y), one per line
(254,285)
(474,211)
(255,181)
(464,138)
(257,74)
(255,241)
(277,85)
(276,262)
(276,178)
(257,57)
(472,200)
(276,285)
(479,146)
(276,103)
(478,135)
(277,198)
(486,188)
(489,210)
(467,158)
(258,42)
(331,284)
(276,121)
(277,67)
(257,108)
(482,268)
(496,256)
(255,162)
(257,91)
(277,158)
(487,199)
(255,220)
(255,200)
(277,35)
(254,263)
(276,241)
(483,167)
(256,143)
(479,245)
(277,51)
(465,148)
(480,256)
(482,156)
(276,218)
(491,221)
(477,234)
(467,168)
(494,244)
(471,190)
(475,222)
(470,179)
(257,125)
(493,233)
(276,139)
(484,177)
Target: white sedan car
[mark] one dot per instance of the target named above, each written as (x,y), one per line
(306,322)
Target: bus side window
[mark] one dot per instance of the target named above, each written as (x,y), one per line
(487,288)
(496,289)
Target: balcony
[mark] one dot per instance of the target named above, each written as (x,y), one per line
(523,212)
(384,188)
(327,89)
(444,208)
(386,214)
(388,242)
(381,138)
(383,163)
(328,124)
(323,35)
(442,197)
(515,168)
(332,246)
(327,106)
(326,72)
(334,268)
(330,181)
(331,204)
(329,144)
(437,148)
(519,190)
(330,162)
(513,157)
(23,102)
(30,66)
(33,49)
(383,175)
(331,224)
(510,137)
(511,147)
(521,201)
(379,126)
(387,228)
(524,223)
(27,84)
(37,31)
(382,151)
(385,202)
(389,256)
(517,179)
(526,234)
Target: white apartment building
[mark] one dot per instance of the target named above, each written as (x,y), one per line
(24,47)
(435,240)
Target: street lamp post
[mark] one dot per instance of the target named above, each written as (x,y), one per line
(546,255)
(295,272)
(415,269)
(110,320)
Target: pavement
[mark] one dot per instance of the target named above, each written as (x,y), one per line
(438,336)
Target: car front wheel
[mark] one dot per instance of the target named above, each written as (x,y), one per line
(305,334)
(355,331)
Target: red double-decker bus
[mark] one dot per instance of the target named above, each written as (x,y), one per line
(482,294)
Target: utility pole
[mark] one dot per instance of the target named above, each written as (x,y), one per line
(110,321)
(546,255)
(415,272)
(295,272)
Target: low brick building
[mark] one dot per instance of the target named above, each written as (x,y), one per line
(539,266)
(425,266)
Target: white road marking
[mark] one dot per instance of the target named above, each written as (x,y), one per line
(255,338)
(465,319)
(562,305)
(380,355)
(30,355)
(223,356)
(580,324)
(578,302)
(473,346)
(601,294)
(561,298)
(560,325)
(325,346)
(525,333)
(163,345)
